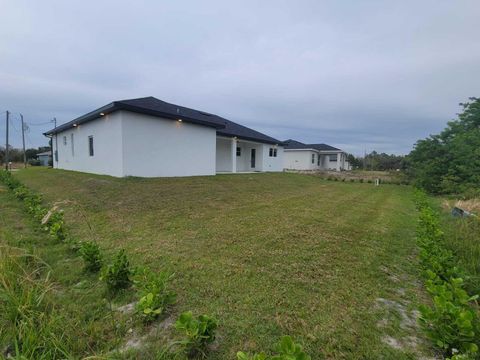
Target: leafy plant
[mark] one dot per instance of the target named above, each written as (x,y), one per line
(287,350)
(452,323)
(198,332)
(117,275)
(155,296)
(91,255)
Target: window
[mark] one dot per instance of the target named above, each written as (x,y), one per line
(239,151)
(90,145)
(332,157)
(71,144)
(318,160)
(313,158)
(64,140)
(272,152)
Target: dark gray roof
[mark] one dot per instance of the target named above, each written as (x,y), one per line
(155,107)
(323,147)
(233,129)
(297,145)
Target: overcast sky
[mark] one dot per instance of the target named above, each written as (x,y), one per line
(353,74)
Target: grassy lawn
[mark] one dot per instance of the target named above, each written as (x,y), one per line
(332,264)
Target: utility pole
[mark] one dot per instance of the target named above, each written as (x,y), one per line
(23,141)
(55,156)
(365,159)
(7,157)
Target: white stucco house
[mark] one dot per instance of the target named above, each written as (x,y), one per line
(148,137)
(300,156)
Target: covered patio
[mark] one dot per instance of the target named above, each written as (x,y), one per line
(238,156)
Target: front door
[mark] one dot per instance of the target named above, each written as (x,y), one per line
(252,158)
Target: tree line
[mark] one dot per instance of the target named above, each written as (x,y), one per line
(449,162)
(16,155)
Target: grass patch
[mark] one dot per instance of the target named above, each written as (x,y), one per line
(267,255)
(49,308)
(462,237)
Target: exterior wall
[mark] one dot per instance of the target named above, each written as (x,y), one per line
(300,160)
(271,163)
(340,164)
(223,157)
(154,147)
(44,159)
(263,161)
(107,145)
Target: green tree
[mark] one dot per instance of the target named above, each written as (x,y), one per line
(450,161)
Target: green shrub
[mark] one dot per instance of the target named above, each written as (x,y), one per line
(452,322)
(34,162)
(352,180)
(198,332)
(91,255)
(361,180)
(155,296)
(117,275)
(55,226)
(287,350)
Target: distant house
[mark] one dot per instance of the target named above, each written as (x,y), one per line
(148,137)
(300,156)
(45,158)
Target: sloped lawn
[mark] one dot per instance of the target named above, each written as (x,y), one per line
(332,264)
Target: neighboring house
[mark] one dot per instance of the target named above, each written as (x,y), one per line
(300,156)
(44,158)
(148,137)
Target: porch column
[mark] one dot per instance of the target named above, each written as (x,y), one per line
(234,155)
(339,161)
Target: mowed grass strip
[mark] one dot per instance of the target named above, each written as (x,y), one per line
(266,254)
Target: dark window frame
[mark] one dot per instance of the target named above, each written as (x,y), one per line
(91,151)
(239,151)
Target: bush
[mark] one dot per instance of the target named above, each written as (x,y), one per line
(34,162)
(352,180)
(55,225)
(155,296)
(451,322)
(198,332)
(91,255)
(287,350)
(361,180)
(117,275)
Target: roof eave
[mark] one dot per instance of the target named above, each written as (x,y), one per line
(115,106)
(271,142)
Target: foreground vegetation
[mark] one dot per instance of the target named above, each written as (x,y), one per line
(280,254)
(452,322)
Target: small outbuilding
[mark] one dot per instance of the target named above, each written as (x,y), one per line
(45,158)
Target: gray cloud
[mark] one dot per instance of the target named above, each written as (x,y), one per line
(370,74)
